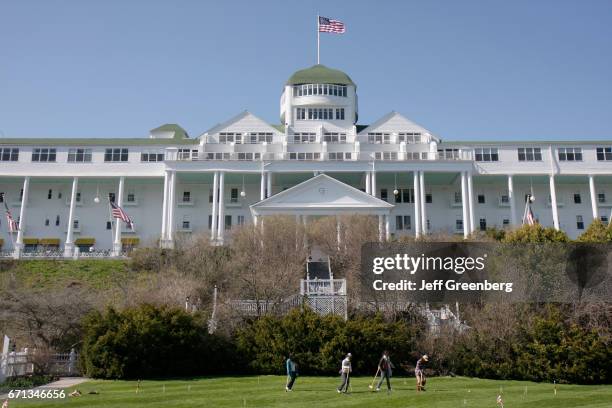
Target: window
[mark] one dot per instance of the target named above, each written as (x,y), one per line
(46,222)
(579,222)
(210,195)
(402,222)
(459,225)
(428,198)
(43,155)
(79,155)
(483,224)
(339,113)
(604,219)
(486,154)
(385,155)
(339,156)
(111,197)
(601,198)
(116,155)
(57,220)
(75,224)
(570,154)
(604,153)
(457,197)
(333,137)
(577,198)
(78,197)
(249,156)
(186,225)
(319,89)
(217,156)
(530,154)
(109,225)
(260,137)
(409,138)
(505,222)
(300,113)
(210,222)
(50,194)
(379,138)
(186,196)
(405,195)
(187,154)
(240,220)
(304,156)
(9,154)
(504,199)
(228,222)
(383,194)
(230,137)
(151,157)
(304,138)
(234,195)
(448,154)
(481,199)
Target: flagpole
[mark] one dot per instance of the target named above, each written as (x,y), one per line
(318,40)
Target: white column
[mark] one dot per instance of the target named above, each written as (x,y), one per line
(22,217)
(374,184)
(118,222)
(553,202)
(593,197)
(164,226)
(338,239)
(221,223)
(368,184)
(69,244)
(471,203)
(422,200)
(215,207)
(171,208)
(269,181)
(380,228)
(464,204)
(387,229)
(262,187)
(417,205)
(511,198)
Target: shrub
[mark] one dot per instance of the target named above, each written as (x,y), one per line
(596,232)
(150,341)
(318,343)
(535,234)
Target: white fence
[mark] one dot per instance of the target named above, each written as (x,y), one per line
(28,361)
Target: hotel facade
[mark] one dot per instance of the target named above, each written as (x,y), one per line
(317,162)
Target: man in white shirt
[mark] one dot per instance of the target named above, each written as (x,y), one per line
(345,374)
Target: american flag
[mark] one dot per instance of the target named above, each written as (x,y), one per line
(13,226)
(329,25)
(529,217)
(117,212)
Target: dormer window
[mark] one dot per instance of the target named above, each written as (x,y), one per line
(409,138)
(379,138)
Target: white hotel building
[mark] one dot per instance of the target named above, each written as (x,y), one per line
(317,162)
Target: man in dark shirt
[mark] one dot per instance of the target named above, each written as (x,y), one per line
(384,366)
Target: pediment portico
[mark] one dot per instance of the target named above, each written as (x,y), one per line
(323,195)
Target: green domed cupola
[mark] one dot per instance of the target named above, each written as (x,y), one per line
(320,74)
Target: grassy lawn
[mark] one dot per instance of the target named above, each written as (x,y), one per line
(314,392)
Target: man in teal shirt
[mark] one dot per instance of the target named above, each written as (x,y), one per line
(291,373)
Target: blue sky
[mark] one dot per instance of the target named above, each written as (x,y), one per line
(466,70)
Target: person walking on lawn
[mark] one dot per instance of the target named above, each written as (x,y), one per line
(291,373)
(384,366)
(420,374)
(345,374)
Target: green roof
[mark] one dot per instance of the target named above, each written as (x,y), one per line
(320,74)
(179,132)
(25,141)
